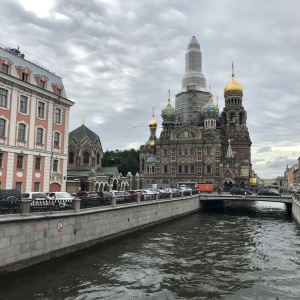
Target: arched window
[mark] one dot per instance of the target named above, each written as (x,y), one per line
(143,164)
(71,157)
(186,151)
(165,169)
(186,169)
(148,170)
(98,158)
(180,152)
(180,169)
(86,158)
(153,170)
(232,118)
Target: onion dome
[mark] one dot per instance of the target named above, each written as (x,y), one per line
(152,144)
(233,87)
(169,113)
(210,110)
(152,123)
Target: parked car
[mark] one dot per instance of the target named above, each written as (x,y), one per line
(105,197)
(148,194)
(269,192)
(119,196)
(10,194)
(61,199)
(35,196)
(238,191)
(86,195)
(127,196)
(10,201)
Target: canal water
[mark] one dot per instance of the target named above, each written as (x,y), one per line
(247,251)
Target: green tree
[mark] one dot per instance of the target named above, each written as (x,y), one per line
(126,161)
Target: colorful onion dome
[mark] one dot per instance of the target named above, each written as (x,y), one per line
(233,87)
(210,110)
(169,113)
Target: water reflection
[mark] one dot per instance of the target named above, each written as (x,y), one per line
(246,251)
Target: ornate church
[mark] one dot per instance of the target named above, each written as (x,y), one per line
(198,144)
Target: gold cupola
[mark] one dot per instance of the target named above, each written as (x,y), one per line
(233,87)
(152,123)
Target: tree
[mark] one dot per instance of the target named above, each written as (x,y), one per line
(126,161)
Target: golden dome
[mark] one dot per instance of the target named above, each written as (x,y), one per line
(152,144)
(233,87)
(152,123)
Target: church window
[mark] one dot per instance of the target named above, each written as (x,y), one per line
(192,169)
(148,169)
(153,170)
(208,169)
(193,151)
(165,152)
(86,158)
(232,118)
(71,157)
(208,151)
(165,169)
(186,169)
(180,152)
(180,169)
(98,158)
(143,164)
(186,151)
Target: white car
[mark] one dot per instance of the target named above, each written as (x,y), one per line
(61,199)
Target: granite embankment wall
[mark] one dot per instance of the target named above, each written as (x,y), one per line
(29,239)
(296,209)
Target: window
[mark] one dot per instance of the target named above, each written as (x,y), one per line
(180,169)
(38,161)
(186,169)
(192,169)
(20,159)
(2,128)
(186,151)
(41,110)
(36,187)
(5,68)
(24,77)
(39,136)
(3,98)
(55,165)
(165,169)
(208,169)
(86,158)
(71,157)
(23,104)
(21,132)
(180,152)
(98,158)
(208,151)
(165,152)
(58,92)
(192,151)
(1,160)
(56,139)
(19,186)
(42,84)
(57,115)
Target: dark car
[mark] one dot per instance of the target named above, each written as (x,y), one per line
(269,192)
(88,199)
(10,195)
(10,201)
(240,191)
(86,195)
(105,198)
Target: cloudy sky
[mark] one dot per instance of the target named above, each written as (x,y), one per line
(118,58)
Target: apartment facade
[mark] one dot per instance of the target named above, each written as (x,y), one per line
(34,125)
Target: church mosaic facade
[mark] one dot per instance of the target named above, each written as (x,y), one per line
(198,144)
